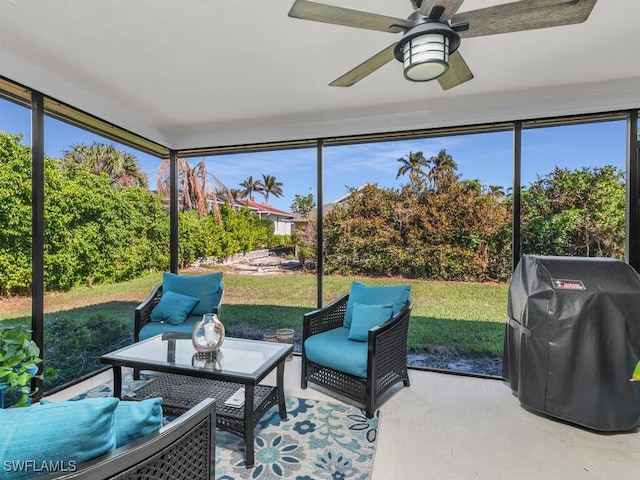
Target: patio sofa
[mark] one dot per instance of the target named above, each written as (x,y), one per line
(184,448)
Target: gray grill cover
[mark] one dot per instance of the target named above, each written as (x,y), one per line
(572,340)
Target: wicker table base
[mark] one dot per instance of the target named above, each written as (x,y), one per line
(180,393)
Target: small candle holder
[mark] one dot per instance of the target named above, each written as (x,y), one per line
(285,335)
(270,337)
(208,334)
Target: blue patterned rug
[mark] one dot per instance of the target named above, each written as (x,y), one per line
(318,440)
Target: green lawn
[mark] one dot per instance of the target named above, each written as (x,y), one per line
(447,316)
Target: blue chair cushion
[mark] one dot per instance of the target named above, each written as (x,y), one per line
(365,317)
(152,329)
(395,295)
(135,420)
(334,350)
(204,287)
(173,308)
(68,433)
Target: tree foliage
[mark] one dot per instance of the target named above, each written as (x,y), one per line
(98,231)
(302,204)
(454,234)
(15,214)
(95,230)
(120,166)
(413,164)
(95,233)
(270,186)
(438,226)
(249,186)
(443,170)
(577,213)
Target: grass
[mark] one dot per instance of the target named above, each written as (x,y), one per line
(447,316)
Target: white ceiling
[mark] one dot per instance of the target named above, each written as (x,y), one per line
(202,73)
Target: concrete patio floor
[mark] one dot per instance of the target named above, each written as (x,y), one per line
(457,427)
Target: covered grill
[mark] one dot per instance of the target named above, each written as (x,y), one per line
(572,340)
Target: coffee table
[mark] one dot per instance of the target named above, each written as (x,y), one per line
(189,377)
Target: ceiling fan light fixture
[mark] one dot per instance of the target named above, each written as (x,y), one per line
(425,57)
(424,51)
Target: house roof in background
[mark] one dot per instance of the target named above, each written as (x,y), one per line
(265,209)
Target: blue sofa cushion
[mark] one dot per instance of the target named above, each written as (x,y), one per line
(173,308)
(135,420)
(205,287)
(395,295)
(69,433)
(365,317)
(156,328)
(333,349)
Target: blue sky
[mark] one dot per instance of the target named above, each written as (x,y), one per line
(486,156)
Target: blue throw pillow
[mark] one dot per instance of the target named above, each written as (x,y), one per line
(135,420)
(395,295)
(39,439)
(205,287)
(365,317)
(173,308)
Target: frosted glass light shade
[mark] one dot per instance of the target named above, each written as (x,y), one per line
(426,57)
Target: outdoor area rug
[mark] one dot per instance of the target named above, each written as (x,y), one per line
(318,440)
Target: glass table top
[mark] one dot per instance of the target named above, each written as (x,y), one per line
(236,357)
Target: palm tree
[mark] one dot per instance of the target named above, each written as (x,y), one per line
(443,169)
(121,167)
(194,190)
(413,164)
(230,195)
(270,187)
(496,191)
(249,186)
(234,195)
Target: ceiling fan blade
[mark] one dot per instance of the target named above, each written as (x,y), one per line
(457,73)
(524,15)
(319,12)
(365,68)
(450,7)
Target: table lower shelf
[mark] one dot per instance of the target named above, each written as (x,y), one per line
(181,392)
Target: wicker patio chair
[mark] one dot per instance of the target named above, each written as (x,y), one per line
(142,314)
(386,362)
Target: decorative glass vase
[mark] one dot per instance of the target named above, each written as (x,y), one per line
(208,334)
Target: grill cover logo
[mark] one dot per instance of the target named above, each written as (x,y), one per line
(560,284)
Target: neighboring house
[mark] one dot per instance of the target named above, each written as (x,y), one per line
(282,221)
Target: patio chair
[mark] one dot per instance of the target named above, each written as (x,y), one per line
(357,345)
(177,305)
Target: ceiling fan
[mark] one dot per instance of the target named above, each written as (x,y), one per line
(431,34)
